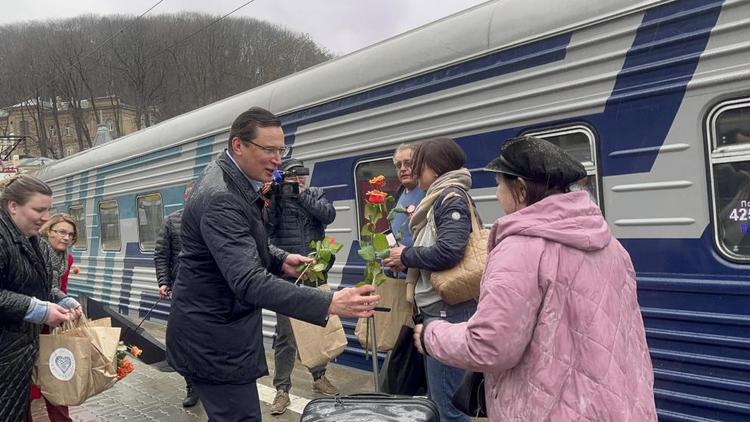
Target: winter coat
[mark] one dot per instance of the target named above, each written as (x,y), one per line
(452,229)
(64,277)
(167,249)
(214,333)
(452,235)
(24,272)
(294,222)
(558,332)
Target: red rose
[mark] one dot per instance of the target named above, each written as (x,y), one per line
(376,197)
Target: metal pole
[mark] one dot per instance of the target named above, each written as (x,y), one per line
(147,314)
(374,346)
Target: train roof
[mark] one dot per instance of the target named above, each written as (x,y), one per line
(482,29)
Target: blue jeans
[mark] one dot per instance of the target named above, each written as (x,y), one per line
(443,380)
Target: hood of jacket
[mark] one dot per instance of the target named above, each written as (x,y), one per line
(570,218)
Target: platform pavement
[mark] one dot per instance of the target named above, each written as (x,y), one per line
(150,395)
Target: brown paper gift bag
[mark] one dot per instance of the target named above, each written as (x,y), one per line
(387,324)
(317,345)
(63,368)
(77,361)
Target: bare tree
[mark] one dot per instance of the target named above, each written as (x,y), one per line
(161,65)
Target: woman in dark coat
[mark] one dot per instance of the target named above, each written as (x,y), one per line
(27,296)
(441,226)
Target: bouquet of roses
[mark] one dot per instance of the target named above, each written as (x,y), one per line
(323,252)
(124,365)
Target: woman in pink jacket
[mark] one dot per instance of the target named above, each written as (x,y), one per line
(558,332)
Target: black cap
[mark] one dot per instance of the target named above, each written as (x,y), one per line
(537,160)
(291,163)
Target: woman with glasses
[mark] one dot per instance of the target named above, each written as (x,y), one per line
(58,235)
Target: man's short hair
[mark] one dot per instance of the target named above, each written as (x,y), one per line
(245,126)
(403,147)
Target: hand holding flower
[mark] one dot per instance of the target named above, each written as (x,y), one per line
(293,262)
(318,262)
(394,258)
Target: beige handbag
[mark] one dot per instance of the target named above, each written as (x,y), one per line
(461,283)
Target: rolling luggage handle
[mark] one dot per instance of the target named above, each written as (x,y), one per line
(374,348)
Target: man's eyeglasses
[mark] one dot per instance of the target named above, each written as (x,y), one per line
(405,163)
(63,233)
(272,151)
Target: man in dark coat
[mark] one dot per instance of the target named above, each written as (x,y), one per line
(226,275)
(166,251)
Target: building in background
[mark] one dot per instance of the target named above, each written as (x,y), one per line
(67,127)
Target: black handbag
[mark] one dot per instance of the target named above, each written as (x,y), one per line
(469,397)
(403,371)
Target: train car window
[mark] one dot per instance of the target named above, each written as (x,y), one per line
(366,170)
(109,223)
(729,133)
(579,142)
(150,217)
(76,211)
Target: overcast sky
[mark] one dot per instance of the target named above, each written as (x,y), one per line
(341,26)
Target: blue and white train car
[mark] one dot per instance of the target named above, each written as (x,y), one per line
(652,96)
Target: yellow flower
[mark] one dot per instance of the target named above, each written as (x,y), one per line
(378,181)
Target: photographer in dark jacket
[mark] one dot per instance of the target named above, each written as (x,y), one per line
(226,276)
(297,216)
(166,251)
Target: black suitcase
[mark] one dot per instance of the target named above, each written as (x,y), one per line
(371,407)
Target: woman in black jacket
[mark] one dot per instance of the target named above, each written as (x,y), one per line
(27,296)
(440,226)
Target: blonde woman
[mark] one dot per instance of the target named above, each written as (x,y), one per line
(58,234)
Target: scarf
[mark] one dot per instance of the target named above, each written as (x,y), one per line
(460,178)
(58,263)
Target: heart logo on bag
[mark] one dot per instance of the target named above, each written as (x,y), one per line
(62,364)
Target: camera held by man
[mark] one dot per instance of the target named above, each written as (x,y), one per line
(289,178)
